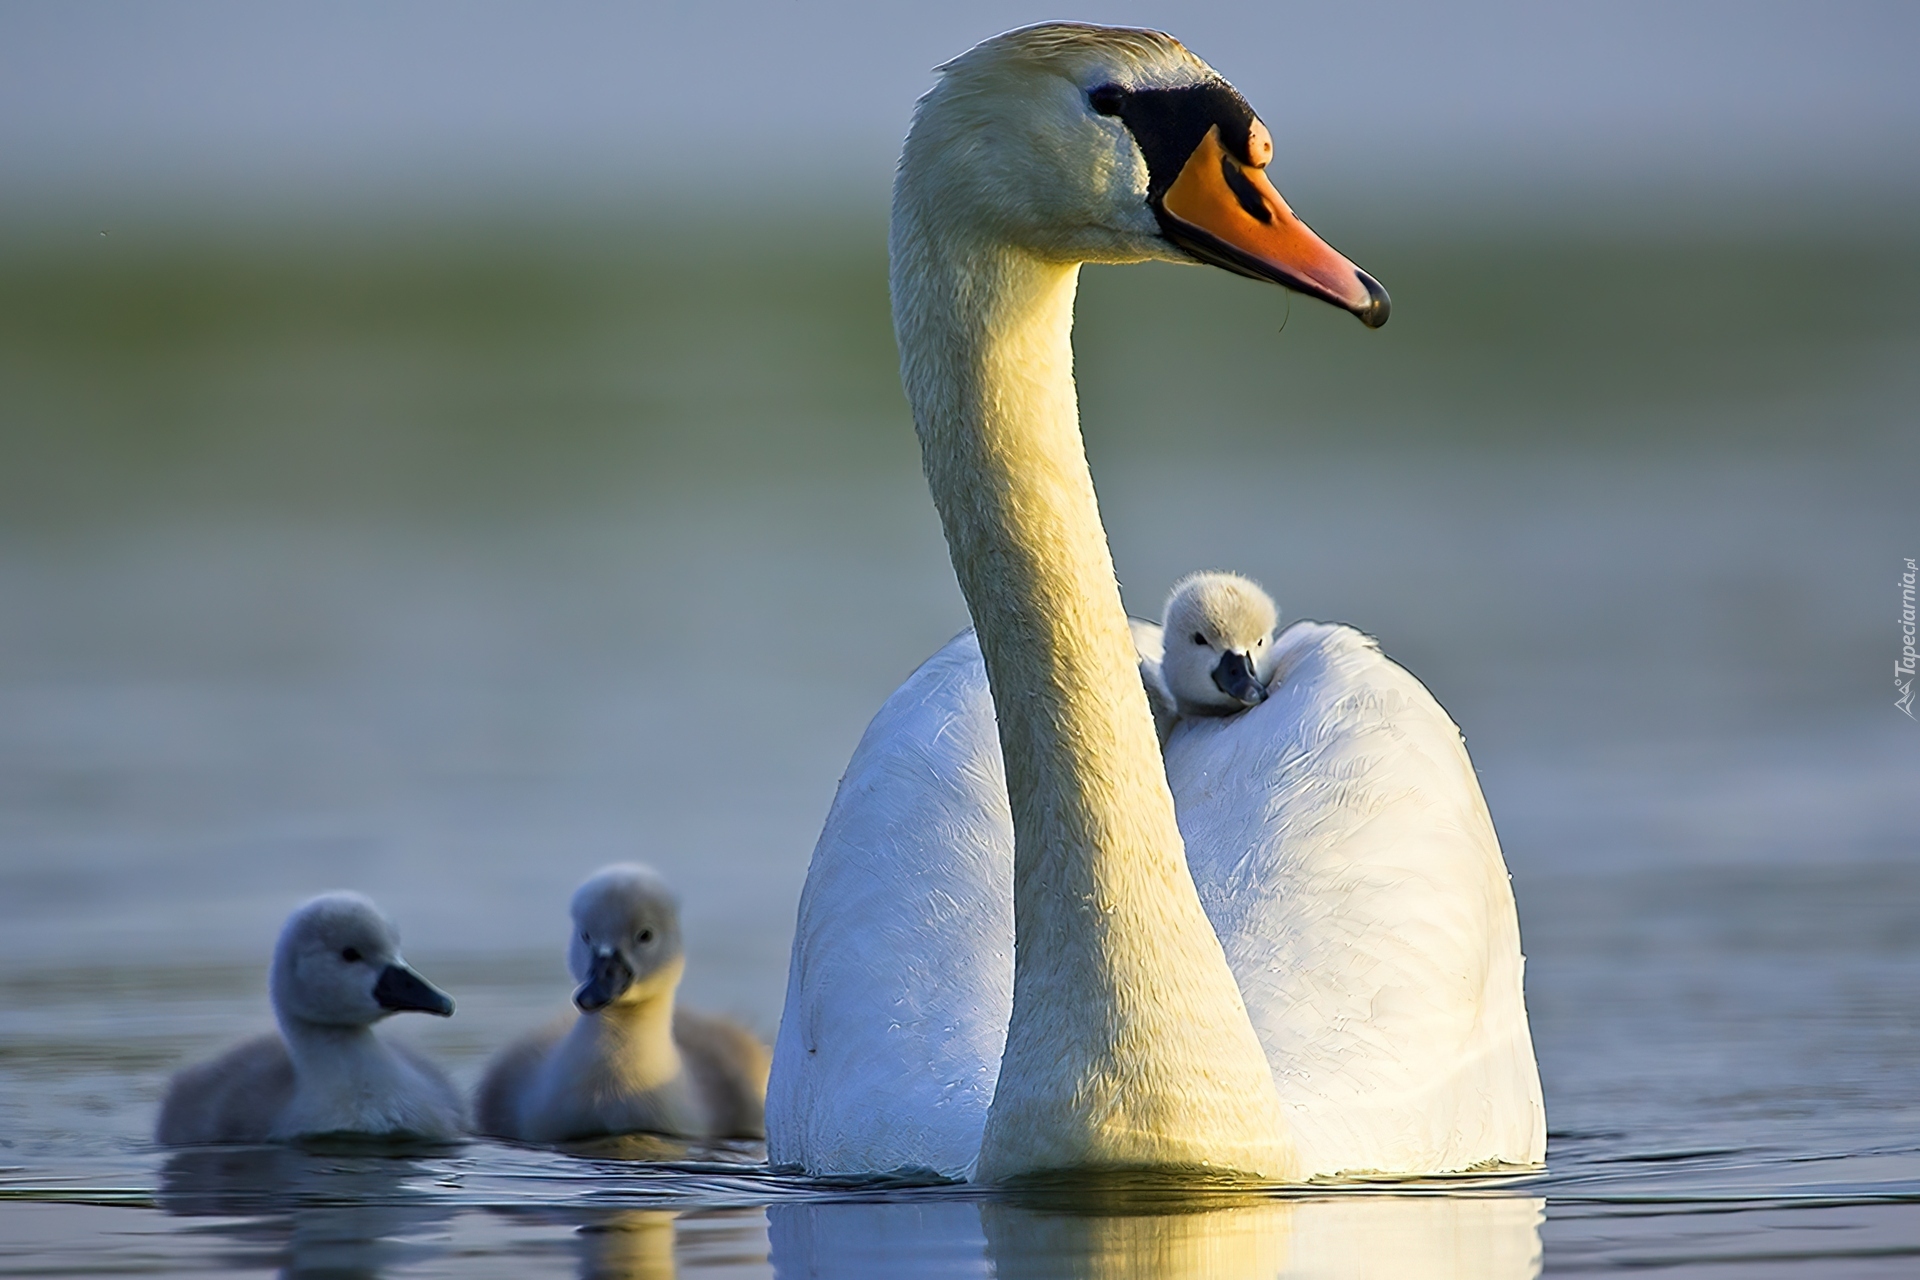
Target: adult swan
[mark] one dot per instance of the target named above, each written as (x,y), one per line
(998,973)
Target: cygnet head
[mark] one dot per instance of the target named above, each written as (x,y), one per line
(1218,643)
(338,964)
(1082,143)
(626,938)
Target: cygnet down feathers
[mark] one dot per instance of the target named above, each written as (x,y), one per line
(336,971)
(1215,655)
(630,1061)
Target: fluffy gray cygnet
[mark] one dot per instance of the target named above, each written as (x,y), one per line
(630,1062)
(336,971)
(1215,654)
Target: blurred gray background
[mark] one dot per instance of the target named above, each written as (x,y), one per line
(445,447)
(377,105)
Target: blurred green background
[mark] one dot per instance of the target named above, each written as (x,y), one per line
(1640,492)
(487,372)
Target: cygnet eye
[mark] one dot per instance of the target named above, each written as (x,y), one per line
(1198,638)
(644,936)
(584,938)
(350,954)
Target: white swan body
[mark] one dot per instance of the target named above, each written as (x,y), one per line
(1346,857)
(1125,1042)
(901,981)
(1342,851)
(336,971)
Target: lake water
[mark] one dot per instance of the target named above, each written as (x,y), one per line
(451,566)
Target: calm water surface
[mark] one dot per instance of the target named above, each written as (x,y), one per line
(451,583)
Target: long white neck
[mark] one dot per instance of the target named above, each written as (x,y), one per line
(1129,1045)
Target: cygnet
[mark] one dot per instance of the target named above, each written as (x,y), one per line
(631,1062)
(336,971)
(1218,651)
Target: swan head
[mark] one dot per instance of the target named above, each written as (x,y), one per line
(338,964)
(1219,643)
(1081,143)
(626,938)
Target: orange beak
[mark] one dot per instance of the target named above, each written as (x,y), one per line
(1227,213)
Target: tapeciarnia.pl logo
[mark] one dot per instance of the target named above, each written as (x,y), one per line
(1903,665)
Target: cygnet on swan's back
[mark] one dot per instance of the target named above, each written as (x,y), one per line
(630,1062)
(336,971)
(1217,651)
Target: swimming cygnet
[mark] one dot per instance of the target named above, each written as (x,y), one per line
(630,1062)
(336,971)
(1217,652)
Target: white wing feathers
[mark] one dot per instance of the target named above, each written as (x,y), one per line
(1343,852)
(901,981)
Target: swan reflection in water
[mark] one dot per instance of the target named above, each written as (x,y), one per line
(350,1213)
(343,1213)
(632,1244)
(347,1213)
(1352,1236)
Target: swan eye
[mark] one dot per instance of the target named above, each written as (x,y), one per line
(584,938)
(1198,638)
(1107,99)
(350,954)
(644,936)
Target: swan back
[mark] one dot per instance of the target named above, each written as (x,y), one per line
(1345,855)
(1340,846)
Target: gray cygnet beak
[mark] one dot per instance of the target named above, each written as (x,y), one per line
(1233,676)
(607,979)
(400,989)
